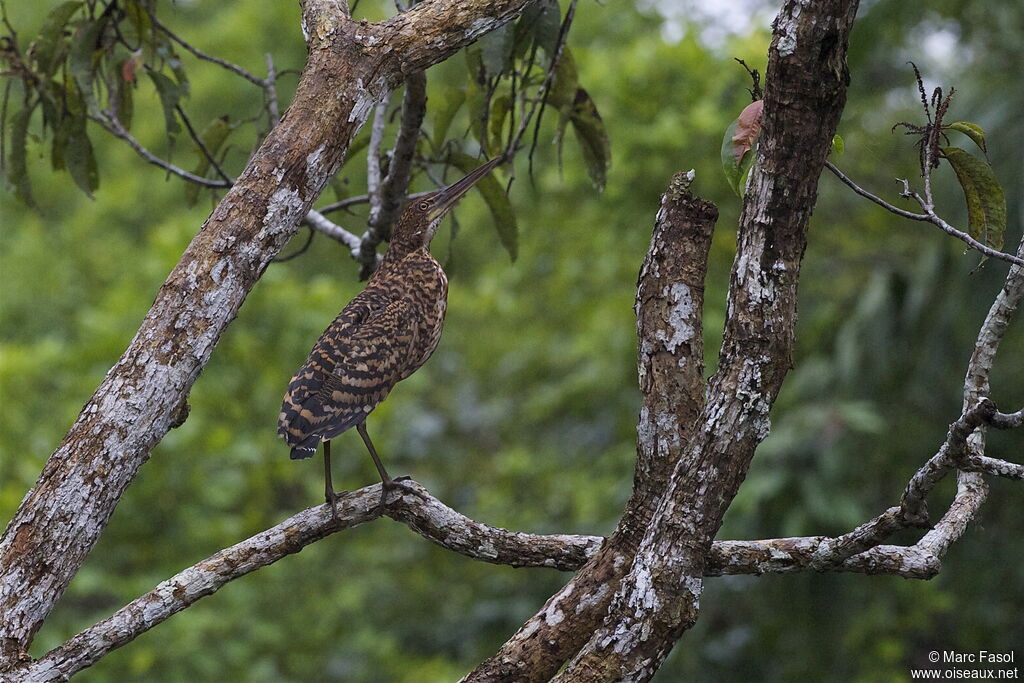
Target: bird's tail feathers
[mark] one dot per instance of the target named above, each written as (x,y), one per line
(306,448)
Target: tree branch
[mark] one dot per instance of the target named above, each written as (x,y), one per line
(670,364)
(929,216)
(657,600)
(350,67)
(387,198)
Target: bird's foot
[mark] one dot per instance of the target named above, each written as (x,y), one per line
(332,498)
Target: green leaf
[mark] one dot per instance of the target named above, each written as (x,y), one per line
(80,160)
(971,130)
(986,202)
(213,137)
(50,36)
(562,94)
(82,57)
(497,201)
(17,166)
(500,107)
(140,22)
(169,97)
(496,50)
(124,98)
(452,99)
(590,130)
(541,23)
(72,150)
(838,146)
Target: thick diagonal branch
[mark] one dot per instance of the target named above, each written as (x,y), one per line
(657,601)
(669,305)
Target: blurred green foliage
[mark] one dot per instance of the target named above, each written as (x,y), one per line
(525,417)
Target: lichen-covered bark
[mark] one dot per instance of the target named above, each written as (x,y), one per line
(658,599)
(350,66)
(670,364)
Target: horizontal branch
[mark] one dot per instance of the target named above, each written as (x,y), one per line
(415,507)
(929,216)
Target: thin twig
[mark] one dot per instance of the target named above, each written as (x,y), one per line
(270,88)
(391,191)
(202,55)
(348,202)
(114,127)
(542,95)
(300,251)
(202,146)
(929,216)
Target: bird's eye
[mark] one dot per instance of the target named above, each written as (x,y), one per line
(423,206)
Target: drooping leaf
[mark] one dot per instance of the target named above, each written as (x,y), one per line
(737,146)
(565,83)
(735,174)
(500,107)
(81,57)
(593,138)
(50,36)
(140,22)
(80,160)
(169,97)
(17,166)
(213,137)
(124,96)
(838,146)
(971,130)
(72,150)
(452,99)
(986,202)
(499,204)
(476,104)
(539,23)
(496,49)
(748,127)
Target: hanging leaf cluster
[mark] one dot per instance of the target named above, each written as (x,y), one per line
(85,65)
(516,71)
(986,200)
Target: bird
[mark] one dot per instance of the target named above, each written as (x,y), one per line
(382,336)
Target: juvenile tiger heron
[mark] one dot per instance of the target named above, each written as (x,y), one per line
(381,337)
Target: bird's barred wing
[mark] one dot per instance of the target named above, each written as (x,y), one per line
(368,356)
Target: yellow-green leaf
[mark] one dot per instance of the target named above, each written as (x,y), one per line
(17,168)
(452,99)
(497,201)
(169,96)
(971,130)
(838,146)
(213,137)
(500,107)
(986,202)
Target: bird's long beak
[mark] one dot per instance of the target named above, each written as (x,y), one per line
(447,197)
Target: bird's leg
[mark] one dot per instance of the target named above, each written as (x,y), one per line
(387,483)
(329,493)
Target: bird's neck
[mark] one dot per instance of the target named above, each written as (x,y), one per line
(405,239)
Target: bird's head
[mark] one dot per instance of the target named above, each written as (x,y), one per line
(422,216)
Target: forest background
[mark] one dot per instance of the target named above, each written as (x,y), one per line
(525,418)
